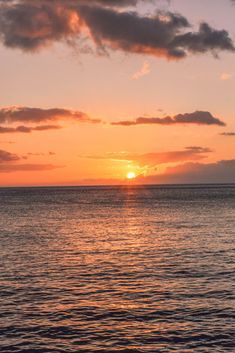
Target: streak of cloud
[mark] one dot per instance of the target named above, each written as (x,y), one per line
(38,115)
(11,168)
(229,134)
(143,71)
(193,153)
(198,118)
(26,129)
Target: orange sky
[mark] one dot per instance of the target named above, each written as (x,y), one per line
(65,96)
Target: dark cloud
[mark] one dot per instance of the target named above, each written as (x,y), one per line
(193,153)
(160,35)
(195,173)
(112,3)
(26,129)
(230,134)
(37,115)
(8,157)
(198,118)
(31,25)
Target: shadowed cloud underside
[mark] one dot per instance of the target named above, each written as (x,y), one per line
(198,117)
(32,25)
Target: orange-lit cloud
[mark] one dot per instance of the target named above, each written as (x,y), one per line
(144,70)
(31,25)
(225,76)
(11,168)
(195,173)
(188,173)
(193,153)
(198,118)
(229,134)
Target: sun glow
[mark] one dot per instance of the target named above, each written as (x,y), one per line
(131,175)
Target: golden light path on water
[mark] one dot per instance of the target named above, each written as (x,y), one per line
(117,269)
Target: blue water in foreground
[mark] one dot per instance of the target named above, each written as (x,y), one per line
(117,269)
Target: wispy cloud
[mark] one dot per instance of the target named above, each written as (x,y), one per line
(10,162)
(143,71)
(229,134)
(192,153)
(27,129)
(11,168)
(225,76)
(198,118)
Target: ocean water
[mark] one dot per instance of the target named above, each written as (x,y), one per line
(117,269)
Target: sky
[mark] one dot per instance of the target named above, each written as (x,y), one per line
(96,91)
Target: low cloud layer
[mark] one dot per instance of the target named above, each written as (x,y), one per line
(195,173)
(198,118)
(27,129)
(109,25)
(10,162)
(193,153)
(229,134)
(11,168)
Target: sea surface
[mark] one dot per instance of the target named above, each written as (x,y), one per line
(117,269)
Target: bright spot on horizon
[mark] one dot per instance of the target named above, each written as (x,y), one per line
(131,175)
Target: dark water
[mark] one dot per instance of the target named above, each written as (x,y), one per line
(122,269)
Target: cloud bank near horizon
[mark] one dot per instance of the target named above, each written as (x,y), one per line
(222,171)
(192,153)
(109,26)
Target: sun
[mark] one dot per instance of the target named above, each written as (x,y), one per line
(131,175)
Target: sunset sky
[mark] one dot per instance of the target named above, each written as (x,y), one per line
(92,90)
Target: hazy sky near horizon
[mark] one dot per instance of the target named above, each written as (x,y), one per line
(92,90)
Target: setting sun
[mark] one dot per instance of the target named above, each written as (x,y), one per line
(131,175)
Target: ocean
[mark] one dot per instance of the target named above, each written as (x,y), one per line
(117,269)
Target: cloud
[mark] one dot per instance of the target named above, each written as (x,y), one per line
(10,168)
(32,25)
(9,163)
(144,70)
(195,173)
(8,157)
(193,153)
(26,129)
(37,115)
(228,134)
(198,118)
(28,115)
(225,76)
